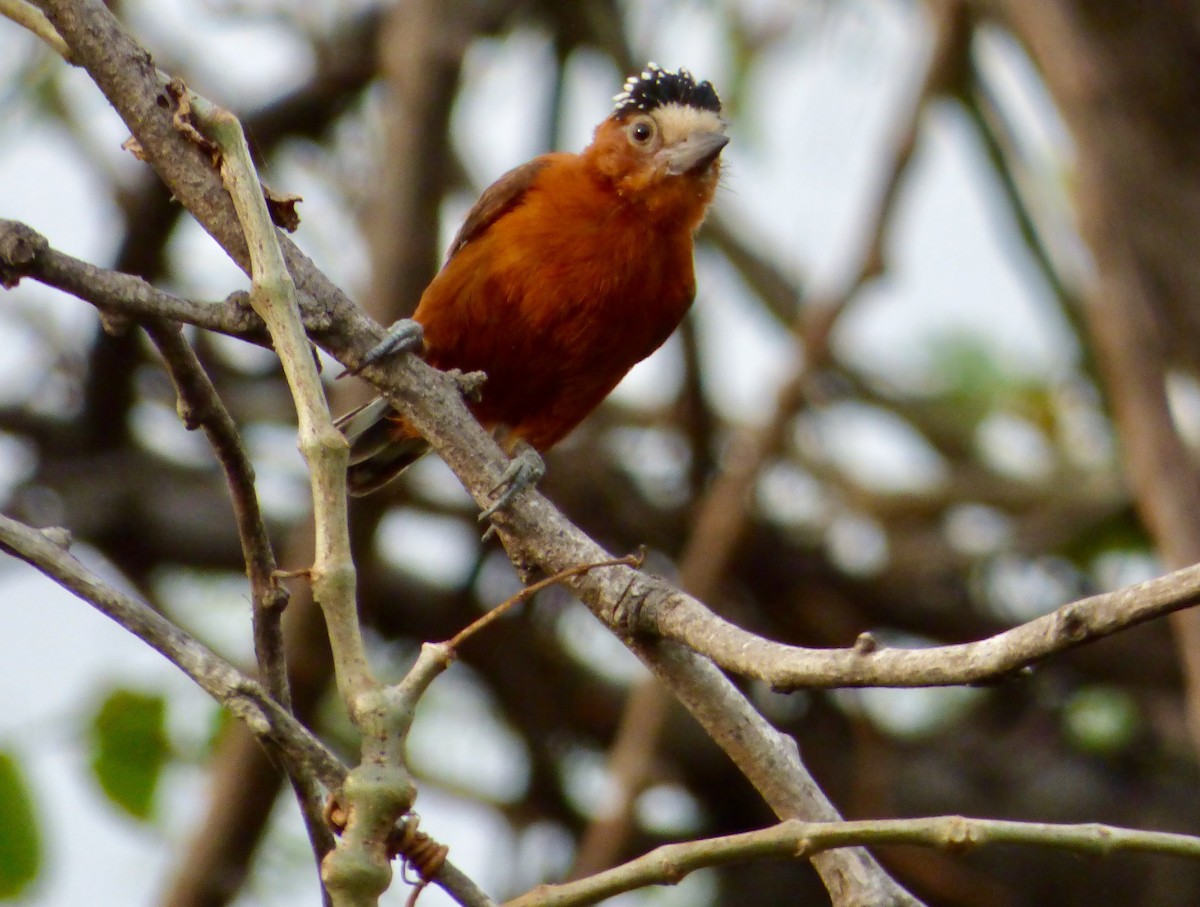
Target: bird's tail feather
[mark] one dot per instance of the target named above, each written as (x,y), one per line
(381,446)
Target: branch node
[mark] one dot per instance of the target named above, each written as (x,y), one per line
(317,319)
(672,874)
(181,119)
(1073,623)
(276,600)
(247,708)
(626,611)
(240,300)
(866,644)
(58,536)
(20,247)
(960,836)
(134,147)
(189,415)
(282,208)
(470,384)
(114,324)
(334,813)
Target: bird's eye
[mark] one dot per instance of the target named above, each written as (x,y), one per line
(642,131)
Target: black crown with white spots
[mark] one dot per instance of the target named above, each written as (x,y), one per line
(654,87)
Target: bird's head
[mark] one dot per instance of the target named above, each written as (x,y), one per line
(661,145)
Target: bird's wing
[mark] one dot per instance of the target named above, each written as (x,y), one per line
(499,198)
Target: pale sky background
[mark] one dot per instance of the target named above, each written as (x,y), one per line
(804,159)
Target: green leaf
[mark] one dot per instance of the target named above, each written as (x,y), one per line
(130,748)
(20,842)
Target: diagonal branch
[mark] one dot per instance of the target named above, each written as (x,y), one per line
(200,406)
(533,530)
(430,400)
(46,551)
(273,296)
(30,17)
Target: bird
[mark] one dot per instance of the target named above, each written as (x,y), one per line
(568,271)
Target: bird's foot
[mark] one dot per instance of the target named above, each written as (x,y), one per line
(524,470)
(404,336)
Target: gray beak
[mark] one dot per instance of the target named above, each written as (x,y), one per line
(695,152)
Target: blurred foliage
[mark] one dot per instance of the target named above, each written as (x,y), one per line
(931,504)
(130,749)
(20,836)
(1102,720)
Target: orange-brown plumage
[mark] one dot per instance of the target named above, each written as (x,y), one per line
(568,271)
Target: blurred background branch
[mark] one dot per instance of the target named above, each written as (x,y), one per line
(950,469)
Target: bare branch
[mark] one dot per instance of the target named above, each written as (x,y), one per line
(630,560)
(30,17)
(379,791)
(26,253)
(533,530)
(272,294)
(667,865)
(199,405)
(46,551)
(868,663)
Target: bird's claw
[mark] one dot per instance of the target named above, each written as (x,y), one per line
(524,470)
(404,336)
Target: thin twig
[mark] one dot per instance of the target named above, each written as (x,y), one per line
(378,791)
(272,294)
(402,697)
(46,551)
(629,560)
(200,405)
(461,887)
(987,116)
(26,253)
(32,18)
(668,864)
(668,613)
